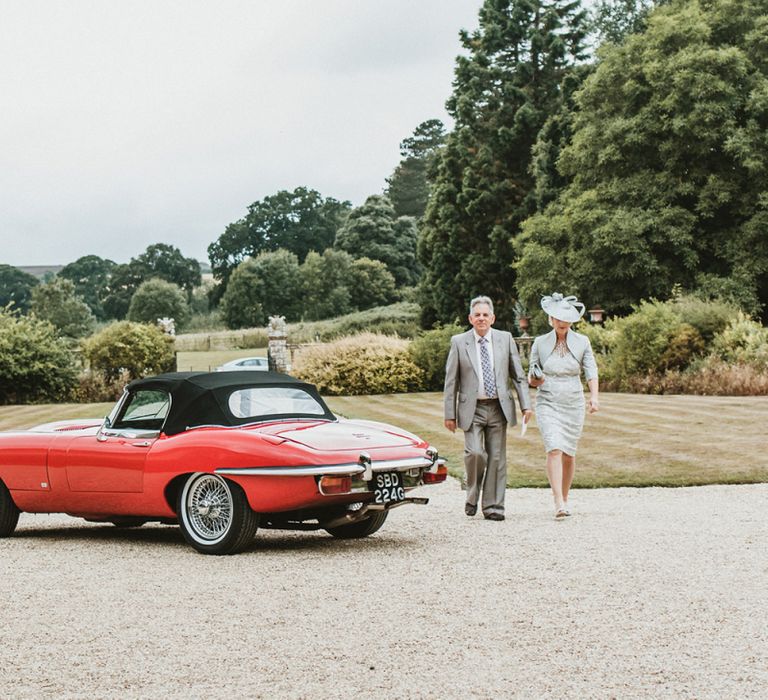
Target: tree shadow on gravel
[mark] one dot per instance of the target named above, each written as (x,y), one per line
(159,534)
(271,541)
(319,541)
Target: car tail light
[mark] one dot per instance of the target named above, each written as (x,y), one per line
(333,485)
(435,477)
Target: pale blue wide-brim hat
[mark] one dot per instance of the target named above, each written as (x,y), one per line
(562,308)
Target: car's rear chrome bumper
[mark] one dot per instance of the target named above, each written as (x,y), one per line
(349,469)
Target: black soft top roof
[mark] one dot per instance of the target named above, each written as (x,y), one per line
(201,398)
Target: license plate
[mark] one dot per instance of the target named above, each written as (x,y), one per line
(388,487)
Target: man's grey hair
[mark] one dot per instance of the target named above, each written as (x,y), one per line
(480,300)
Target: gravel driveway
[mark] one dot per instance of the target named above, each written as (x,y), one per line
(642,593)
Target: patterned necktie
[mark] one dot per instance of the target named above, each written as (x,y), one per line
(485,365)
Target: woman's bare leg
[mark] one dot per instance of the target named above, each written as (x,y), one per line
(569,468)
(555,476)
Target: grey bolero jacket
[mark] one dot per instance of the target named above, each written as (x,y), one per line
(578,345)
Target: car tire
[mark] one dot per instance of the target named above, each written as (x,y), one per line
(9,513)
(362,528)
(214,515)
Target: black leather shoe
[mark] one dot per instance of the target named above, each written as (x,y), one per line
(494,516)
(469,509)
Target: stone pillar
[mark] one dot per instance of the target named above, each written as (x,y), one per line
(168,326)
(277,353)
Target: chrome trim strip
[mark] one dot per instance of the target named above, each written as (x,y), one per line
(352,468)
(330,469)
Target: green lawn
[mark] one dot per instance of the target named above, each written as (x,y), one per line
(635,440)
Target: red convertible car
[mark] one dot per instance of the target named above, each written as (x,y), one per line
(220,454)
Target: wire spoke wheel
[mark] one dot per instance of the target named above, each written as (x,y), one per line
(209,505)
(214,515)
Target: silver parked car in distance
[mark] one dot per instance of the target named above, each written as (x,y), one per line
(245,363)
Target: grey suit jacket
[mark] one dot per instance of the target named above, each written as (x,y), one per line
(462,377)
(578,345)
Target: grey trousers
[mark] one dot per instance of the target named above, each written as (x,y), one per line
(485,458)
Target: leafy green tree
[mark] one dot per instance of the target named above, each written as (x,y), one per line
(159,260)
(136,349)
(16,287)
(299,222)
(372,284)
(614,20)
(374,231)
(325,280)
(35,363)
(123,282)
(668,168)
(156,298)
(56,301)
(91,276)
(167,262)
(408,187)
(241,304)
(552,138)
(268,285)
(506,86)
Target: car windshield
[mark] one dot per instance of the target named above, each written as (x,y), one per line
(144,409)
(266,401)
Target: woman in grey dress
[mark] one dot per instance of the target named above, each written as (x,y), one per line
(557,361)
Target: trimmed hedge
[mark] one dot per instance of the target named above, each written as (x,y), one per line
(368,363)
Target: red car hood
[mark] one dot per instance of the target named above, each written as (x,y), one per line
(345,435)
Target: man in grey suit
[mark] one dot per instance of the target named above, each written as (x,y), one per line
(478,398)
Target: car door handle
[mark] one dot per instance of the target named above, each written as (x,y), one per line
(146,443)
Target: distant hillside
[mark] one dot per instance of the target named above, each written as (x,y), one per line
(40,270)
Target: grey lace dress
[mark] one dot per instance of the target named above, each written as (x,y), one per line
(560,402)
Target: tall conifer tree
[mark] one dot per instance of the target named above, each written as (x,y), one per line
(504,89)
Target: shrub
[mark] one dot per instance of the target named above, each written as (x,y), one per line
(642,338)
(156,299)
(602,338)
(35,364)
(712,377)
(430,352)
(367,363)
(744,342)
(685,344)
(94,387)
(707,317)
(134,348)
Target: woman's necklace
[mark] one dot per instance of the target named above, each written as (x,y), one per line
(561,348)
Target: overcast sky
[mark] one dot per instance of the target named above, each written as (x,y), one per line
(130,122)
